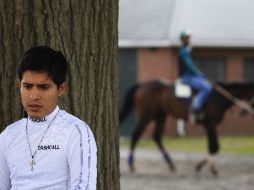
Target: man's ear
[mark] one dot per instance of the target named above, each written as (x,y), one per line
(18,83)
(62,88)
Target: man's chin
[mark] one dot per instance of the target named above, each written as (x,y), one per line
(35,115)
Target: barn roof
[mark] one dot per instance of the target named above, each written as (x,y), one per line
(214,23)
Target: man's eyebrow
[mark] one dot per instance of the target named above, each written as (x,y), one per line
(40,84)
(27,83)
(43,84)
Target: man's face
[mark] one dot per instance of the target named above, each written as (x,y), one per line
(39,94)
(186,40)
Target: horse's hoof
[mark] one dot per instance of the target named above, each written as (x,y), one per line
(200,166)
(132,169)
(172,167)
(130,163)
(214,171)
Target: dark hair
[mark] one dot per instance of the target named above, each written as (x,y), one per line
(44,59)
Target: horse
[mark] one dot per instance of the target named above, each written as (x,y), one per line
(155,100)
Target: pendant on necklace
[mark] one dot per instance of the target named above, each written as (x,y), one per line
(32,163)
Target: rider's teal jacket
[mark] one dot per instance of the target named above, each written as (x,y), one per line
(187,68)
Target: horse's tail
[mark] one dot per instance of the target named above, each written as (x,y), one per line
(128,103)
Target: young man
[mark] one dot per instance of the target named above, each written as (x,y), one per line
(50,149)
(192,76)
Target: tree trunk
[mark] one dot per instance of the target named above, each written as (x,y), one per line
(86,32)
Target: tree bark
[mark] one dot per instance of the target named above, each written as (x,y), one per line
(86,32)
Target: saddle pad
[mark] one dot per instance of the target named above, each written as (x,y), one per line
(182,90)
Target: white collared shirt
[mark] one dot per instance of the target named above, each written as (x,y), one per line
(65,160)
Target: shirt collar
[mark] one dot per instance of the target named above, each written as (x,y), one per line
(45,119)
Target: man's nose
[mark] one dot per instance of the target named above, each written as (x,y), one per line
(34,94)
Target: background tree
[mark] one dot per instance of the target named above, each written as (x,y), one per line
(86,32)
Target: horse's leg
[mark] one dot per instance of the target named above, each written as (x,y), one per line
(134,139)
(160,121)
(213,147)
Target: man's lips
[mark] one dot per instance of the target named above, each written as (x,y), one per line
(34,107)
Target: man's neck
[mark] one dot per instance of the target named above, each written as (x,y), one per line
(44,118)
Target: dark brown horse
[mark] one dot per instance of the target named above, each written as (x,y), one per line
(155,100)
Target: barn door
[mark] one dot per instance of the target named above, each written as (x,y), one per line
(127,77)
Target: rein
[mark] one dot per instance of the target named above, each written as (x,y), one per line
(244,105)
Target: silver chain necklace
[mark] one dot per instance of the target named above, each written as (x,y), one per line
(32,162)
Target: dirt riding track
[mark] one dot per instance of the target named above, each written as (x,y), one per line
(236,172)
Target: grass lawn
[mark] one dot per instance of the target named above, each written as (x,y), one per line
(242,145)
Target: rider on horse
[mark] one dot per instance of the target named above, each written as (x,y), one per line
(193,77)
